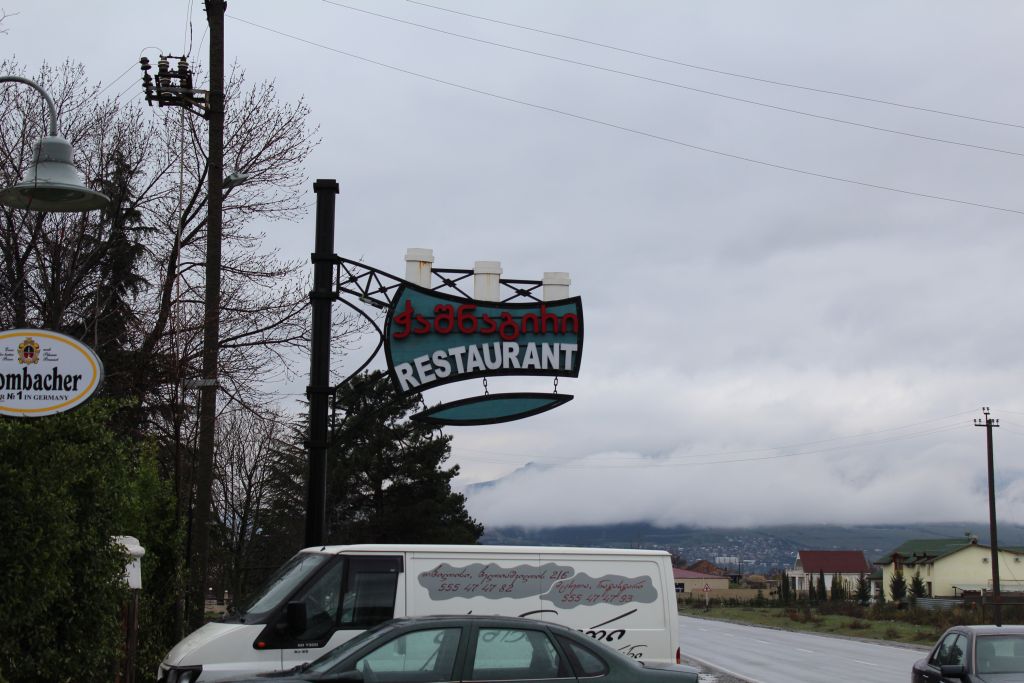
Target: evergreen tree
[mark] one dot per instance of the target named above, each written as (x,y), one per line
(812,594)
(898,587)
(917,587)
(785,595)
(822,590)
(863,590)
(386,477)
(838,588)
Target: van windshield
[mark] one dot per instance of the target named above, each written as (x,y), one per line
(282,584)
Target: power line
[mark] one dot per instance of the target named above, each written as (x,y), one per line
(635,131)
(712,93)
(734,74)
(123,74)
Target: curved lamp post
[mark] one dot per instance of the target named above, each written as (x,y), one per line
(51,183)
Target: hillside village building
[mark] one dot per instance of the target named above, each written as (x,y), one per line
(952,567)
(688,581)
(848,565)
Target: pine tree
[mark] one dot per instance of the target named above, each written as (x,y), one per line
(822,590)
(898,587)
(863,590)
(812,594)
(838,589)
(386,477)
(917,587)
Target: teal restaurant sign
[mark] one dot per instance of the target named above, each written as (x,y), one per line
(432,339)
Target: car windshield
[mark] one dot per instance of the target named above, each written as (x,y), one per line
(327,662)
(1002,654)
(284,581)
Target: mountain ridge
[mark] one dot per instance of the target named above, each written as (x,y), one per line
(759,548)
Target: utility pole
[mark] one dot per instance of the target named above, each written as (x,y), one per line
(175,89)
(211,319)
(997,609)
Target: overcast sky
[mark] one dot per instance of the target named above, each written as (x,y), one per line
(762,345)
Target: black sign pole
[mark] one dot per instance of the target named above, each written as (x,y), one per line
(319,389)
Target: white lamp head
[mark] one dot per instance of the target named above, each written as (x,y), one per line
(52,183)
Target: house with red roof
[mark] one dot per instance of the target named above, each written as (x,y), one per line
(848,565)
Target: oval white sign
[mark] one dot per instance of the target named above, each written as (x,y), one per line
(45,373)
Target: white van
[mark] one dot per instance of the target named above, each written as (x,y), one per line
(323,596)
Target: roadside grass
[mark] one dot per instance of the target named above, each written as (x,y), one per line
(800,618)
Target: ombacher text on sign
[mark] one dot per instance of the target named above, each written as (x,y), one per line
(434,339)
(44,372)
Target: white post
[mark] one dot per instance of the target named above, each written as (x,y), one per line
(487,280)
(418,266)
(556,286)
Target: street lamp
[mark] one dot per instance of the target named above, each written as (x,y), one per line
(51,183)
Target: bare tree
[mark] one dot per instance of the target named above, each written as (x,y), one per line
(129,280)
(245,469)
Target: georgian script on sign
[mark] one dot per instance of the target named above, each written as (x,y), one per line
(491,581)
(558,584)
(610,589)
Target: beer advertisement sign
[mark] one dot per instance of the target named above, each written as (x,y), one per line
(44,373)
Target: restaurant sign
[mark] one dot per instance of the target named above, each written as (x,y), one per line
(434,339)
(44,373)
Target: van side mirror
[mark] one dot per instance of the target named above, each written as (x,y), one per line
(953,671)
(296,617)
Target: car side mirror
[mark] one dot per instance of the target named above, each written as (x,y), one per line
(953,671)
(295,617)
(352,676)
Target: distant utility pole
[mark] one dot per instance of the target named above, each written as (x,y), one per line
(997,609)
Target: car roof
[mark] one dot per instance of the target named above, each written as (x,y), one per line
(992,630)
(469,618)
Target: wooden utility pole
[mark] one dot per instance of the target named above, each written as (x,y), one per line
(997,609)
(211,319)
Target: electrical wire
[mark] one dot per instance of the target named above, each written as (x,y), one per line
(635,131)
(123,74)
(712,93)
(734,74)
(133,85)
(186,43)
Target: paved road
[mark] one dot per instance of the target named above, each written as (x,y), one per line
(764,655)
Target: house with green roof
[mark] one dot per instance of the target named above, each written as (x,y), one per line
(950,567)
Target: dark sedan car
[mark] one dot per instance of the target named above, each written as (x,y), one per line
(477,648)
(973,654)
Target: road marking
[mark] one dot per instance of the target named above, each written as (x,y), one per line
(810,651)
(762,641)
(861,661)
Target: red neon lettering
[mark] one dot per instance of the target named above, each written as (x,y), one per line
(444,319)
(404,321)
(468,323)
(465,320)
(489,326)
(508,330)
